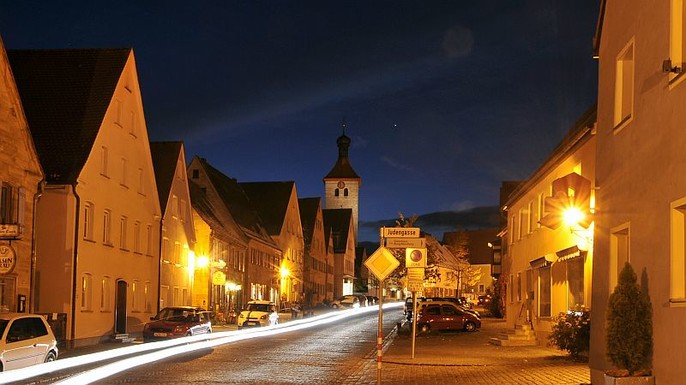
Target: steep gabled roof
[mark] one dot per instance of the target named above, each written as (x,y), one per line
(164,159)
(308,216)
(65,94)
(337,222)
(271,201)
(236,200)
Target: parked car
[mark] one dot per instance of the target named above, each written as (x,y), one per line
(26,339)
(407,308)
(363,300)
(346,302)
(256,314)
(466,306)
(372,300)
(177,321)
(484,300)
(444,315)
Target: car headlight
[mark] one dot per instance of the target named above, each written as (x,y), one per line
(241,315)
(264,316)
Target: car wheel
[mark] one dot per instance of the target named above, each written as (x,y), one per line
(50,357)
(425,328)
(470,326)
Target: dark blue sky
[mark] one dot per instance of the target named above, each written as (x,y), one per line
(443,99)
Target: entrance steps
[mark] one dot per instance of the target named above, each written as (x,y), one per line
(522,335)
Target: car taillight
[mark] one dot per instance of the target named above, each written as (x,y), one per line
(180,329)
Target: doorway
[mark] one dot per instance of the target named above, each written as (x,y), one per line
(120,308)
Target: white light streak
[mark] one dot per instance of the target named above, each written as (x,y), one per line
(164,349)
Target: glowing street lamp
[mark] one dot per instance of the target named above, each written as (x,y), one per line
(573,216)
(202,262)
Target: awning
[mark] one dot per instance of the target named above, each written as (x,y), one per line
(570,253)
(543,261)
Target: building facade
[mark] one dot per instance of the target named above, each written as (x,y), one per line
(98,215)
(177,230)
(318,265)
(641,198)
(277,206)
(20,175)
(339,224)
(549,256)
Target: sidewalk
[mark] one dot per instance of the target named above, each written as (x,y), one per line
(467,358)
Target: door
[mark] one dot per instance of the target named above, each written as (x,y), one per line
(120,308)
(453,318)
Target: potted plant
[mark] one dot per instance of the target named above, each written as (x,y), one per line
(629,332)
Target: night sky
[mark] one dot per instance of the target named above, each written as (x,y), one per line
(443,99)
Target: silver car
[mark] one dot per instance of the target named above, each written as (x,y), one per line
(26,339)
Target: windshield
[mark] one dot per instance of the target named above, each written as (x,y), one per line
(178,315)
(259,307)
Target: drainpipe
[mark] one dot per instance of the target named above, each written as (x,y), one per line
(74,263)
(159,267)
(32,289)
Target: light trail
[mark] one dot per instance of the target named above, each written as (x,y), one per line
(164,349)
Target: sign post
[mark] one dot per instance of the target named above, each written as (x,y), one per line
(381,263)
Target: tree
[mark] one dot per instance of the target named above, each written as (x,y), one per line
(457,260)
(629,325)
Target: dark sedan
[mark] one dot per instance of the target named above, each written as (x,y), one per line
(177,321)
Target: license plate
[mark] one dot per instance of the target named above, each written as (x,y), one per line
(160,334)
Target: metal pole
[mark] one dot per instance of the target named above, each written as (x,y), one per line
(414,320)
(379,340)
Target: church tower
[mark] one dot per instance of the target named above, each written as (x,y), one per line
(342,184)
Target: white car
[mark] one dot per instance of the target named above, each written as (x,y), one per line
(25,340)
(256,314)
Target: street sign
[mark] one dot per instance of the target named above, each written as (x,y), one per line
(400,232)
(415,279)
(415,257)
(403,243)
(381,263)
(416,287)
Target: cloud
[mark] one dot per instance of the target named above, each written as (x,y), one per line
(458,41)
(462,206)
(395,165)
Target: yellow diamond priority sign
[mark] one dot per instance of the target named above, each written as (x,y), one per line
(381,263)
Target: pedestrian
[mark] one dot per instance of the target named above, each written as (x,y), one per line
(273,318)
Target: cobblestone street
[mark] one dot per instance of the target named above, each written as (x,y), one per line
(468,358)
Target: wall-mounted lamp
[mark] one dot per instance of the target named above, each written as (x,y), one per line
(667,67)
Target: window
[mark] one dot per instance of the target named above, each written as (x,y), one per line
(532,217)
(619,252)
(678,250)
(511,288)
(137,237)
(141,182)
(87,292)
(133,128)
(117,112)
(177,254)
(122,232)
(196,174)
(135,301)
(511,230)
(541,208)
(336,193)
(122,180)
(12,204)
(677,42)
(519,287)
(182,210)
(624,86)
(148,237)
(544,289)
(106,223)
(88,212)
(523,223)
(147,296)
(175,206)
(103,160)
(345,192)
(165,250)
(105,294)
(575,283)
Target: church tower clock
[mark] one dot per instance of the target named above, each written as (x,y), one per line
(342,184)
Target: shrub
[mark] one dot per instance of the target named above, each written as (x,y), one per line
(495,307)
(572,332)
(629,325)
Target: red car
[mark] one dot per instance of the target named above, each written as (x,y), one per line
(443,315)
(177,321)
